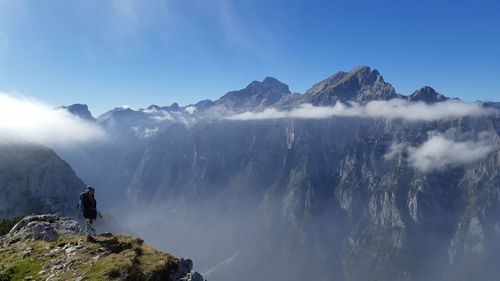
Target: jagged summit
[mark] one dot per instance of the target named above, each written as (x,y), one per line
(362,84)
(271,81)
(110,113)
(80,110)
(173,107)
(204,104)
(268,84)
(428,95)
(153,107)
(255,95)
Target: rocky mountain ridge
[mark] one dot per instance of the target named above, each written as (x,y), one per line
(361,84)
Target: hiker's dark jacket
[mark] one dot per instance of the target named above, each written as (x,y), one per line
(88,206)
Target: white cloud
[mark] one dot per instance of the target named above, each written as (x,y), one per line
(30,120)
(162,116)
(442,150)
(150,110)
(145,132)
(190,109)
(394,150)
(392,109)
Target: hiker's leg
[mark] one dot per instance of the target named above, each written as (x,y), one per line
(91,227)
(87,227)
(89,230)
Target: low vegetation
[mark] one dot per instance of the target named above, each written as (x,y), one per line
(71,258)
(7,224)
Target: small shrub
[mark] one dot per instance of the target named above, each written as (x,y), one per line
(4,277)
(7,224)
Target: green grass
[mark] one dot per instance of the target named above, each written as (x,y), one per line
(120,258)
(4,277)
(16,266)
(22,270)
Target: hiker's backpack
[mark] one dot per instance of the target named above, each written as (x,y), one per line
(80,202)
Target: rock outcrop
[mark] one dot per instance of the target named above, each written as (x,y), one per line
(48,227)
(80,110)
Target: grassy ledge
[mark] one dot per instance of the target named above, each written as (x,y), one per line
(121,257)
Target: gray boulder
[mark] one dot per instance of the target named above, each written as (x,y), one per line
(193,276)
(184,273)
(46,227)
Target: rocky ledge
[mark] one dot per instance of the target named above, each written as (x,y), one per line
(50,247)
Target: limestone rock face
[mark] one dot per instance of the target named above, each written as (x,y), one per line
(328,189)
(80,110)
(34,180)
(362,84)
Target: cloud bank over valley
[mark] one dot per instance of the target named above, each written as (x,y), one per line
(30,120)
(391,109)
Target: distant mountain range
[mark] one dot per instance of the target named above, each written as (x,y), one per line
(361,85)
(355,196)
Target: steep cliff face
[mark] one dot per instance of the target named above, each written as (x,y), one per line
(34,179)
(409,219)
(331,190)
(80,110)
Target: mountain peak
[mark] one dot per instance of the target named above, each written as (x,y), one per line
(361,84)
(362,69)
(269,83)
(80,110)
(428,95)
(173,107)
(256,94)
(153,107)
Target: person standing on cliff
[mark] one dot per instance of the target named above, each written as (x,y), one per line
(88,206)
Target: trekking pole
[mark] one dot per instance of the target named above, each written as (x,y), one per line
(99,213)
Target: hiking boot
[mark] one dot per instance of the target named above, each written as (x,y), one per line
(91,239)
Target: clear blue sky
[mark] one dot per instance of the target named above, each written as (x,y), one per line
(110,53)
